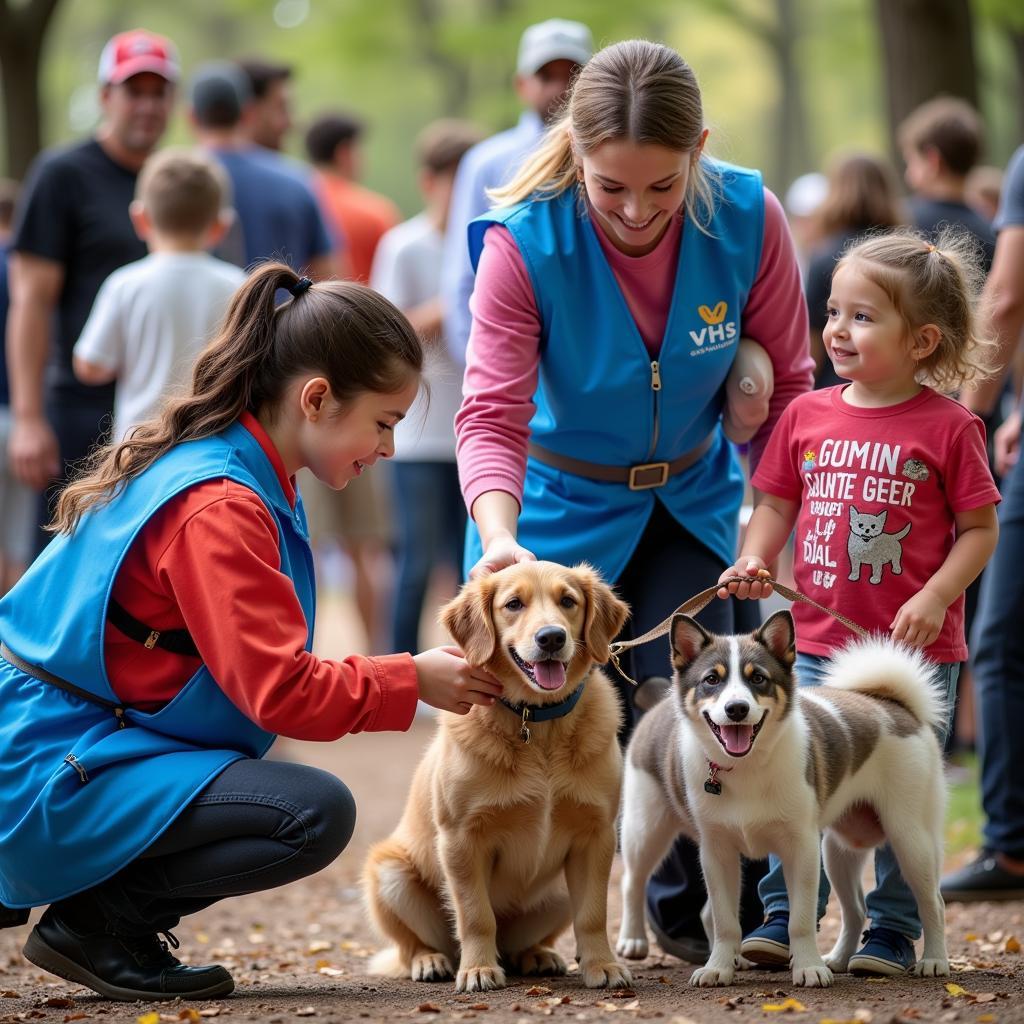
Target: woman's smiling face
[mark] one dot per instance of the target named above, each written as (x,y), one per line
(635,189)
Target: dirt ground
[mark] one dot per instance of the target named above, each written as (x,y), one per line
(301,951)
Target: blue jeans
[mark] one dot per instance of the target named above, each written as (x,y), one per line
(431,524)
(890,904)
(997,657)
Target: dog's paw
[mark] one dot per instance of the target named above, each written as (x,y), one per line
(743,964)
(606,975)
(632,948)
(709,977)
(814,976)
(933,968)
(431,967)
(541,960)
(479,979)
(838,963)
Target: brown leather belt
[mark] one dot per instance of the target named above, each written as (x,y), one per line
(641,477)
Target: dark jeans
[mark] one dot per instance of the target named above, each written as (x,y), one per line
(431,522)
(80,424)
(669,566)
(997,654)
(258,825)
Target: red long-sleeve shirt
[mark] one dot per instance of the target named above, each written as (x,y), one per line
(208,561)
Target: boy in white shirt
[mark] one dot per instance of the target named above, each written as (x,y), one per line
(430,515)
(152,317)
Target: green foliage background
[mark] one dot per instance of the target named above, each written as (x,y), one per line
(401,63)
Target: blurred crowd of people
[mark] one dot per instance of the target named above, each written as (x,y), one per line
(120,258)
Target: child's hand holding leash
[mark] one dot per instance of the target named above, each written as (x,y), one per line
(450,683)
(746,565)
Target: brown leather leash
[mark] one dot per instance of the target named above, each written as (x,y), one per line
(698,602)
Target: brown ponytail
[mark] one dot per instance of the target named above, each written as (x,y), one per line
(343,331)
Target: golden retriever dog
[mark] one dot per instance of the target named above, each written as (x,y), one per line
(508,833)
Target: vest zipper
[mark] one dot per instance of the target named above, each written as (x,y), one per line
(655,389)
(78,766)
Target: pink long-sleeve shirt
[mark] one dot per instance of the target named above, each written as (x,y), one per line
(503,357)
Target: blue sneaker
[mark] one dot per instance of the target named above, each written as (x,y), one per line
(884,952)
(768,946)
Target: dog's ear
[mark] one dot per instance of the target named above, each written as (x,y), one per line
(689,637)
(778,634)
(469,621)
(605,613)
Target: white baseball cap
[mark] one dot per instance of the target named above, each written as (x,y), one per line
(555,39)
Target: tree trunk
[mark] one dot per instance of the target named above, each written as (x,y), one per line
(22,31)
(928,48)
(793,152)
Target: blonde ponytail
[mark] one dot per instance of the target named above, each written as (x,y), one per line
(547,173)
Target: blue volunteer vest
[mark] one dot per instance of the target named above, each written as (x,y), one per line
(66,826)
(598,396)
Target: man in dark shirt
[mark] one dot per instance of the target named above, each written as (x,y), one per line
(941,141)
(72,231)
(277,213)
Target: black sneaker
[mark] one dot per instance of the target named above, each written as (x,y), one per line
(983,879)
(693,949)
(119,967)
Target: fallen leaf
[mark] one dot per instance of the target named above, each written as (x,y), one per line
(986,1018)
(428,1008)
(862,1015)
(622,993)
(149,1018)
(955,990)
(188,1014)
(538,990)
(319,946)
(984,997)
(331,972)
(59,1002)
(306,1011)
(1012,945)
(970,937)
(838,1020)
(634,1005)
(789,1005)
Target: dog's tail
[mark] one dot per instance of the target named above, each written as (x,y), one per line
(884,668)
(388,964)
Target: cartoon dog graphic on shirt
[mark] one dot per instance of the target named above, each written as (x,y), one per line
(869,544)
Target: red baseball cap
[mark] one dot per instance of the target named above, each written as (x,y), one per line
(131,53)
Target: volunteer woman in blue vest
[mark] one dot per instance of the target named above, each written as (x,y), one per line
(614,279)
(152,652)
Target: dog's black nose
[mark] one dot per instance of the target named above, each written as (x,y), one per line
(737,710)
(550,638)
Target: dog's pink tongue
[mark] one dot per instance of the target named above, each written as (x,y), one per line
(737,738)
(550,675)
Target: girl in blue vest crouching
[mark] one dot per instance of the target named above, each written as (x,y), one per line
(615,278)
(155,648)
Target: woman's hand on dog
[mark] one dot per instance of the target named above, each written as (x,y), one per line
(746,565)
(448,682)
(502,551)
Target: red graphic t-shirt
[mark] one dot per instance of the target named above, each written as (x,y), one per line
(878,490)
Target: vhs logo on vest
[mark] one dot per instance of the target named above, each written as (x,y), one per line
(719,332)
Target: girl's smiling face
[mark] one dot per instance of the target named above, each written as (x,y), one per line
(867,338)
(340,441)
(635,189)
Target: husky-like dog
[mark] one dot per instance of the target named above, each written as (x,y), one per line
(742,761)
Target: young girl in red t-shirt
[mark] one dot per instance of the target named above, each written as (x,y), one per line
(888,486)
